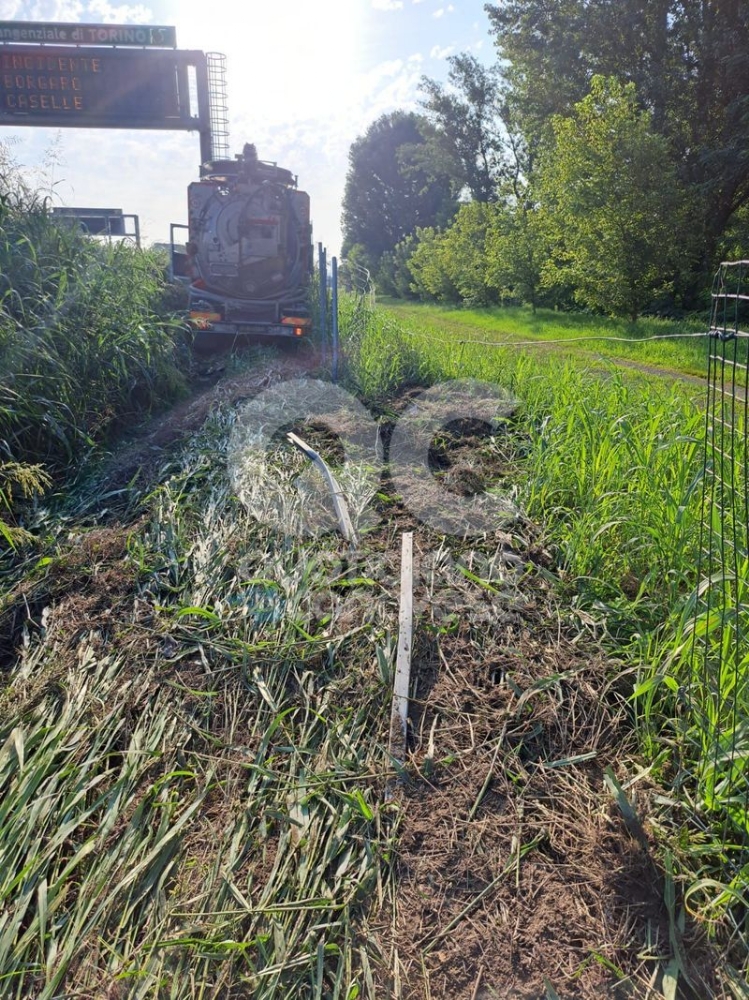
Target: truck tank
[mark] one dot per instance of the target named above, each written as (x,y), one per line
(248,257)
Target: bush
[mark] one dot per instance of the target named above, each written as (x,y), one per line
(83,349)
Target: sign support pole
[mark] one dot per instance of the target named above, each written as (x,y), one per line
(204,112)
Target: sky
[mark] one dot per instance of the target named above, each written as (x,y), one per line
(305,78)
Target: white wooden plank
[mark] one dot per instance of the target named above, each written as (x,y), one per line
(399,714)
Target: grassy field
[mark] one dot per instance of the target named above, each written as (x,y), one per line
(574,334)
(87,346)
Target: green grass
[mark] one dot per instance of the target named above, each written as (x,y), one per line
(193,733)
(613,471)
(515,323)
(613,464)
(191,782)
(83,347)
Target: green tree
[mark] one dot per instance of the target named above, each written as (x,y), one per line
(689,61)
(431,269)
(611,202)
(734,244)
(554,47)
(464,254)
(394,276)
(451,266)
(387,194)
(516,248)
(467,141)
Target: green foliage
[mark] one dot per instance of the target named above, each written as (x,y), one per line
(388,192)
(655,203)
(611,202)
(431,268)
(689,63)
(490,253)
(613,461)
(613,471)
(552,51)
(464,247)
(381,356)
(601,220)
(467,140)
(451,266)
(394,276)
(197,778)
(82,350)
(355,270)
(15,479)
(734,244)
(516,249)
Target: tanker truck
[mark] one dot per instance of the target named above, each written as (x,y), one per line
(248,255)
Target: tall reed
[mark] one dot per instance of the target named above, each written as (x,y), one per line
(82,348)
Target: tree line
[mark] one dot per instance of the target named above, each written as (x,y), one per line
(602,161)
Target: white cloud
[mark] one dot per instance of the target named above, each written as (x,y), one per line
(417,1)
(439,13)
(76,10)
(417,57)
(441,53)
(124,13)
(55,10)
(387,4)
(316,146)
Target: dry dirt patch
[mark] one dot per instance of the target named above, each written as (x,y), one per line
(515,869)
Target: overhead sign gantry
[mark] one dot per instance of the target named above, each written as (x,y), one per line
(102,76)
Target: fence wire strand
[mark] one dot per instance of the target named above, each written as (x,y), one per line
(718,693)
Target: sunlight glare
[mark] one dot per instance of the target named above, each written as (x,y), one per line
(288,59)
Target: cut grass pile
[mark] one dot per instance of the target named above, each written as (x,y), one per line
(190,765)
(193,761)
(577,334)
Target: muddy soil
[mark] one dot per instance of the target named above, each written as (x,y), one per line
(214,383)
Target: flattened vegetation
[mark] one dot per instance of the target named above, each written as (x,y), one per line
(193,763)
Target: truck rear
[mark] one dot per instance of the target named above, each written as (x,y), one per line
(248,255)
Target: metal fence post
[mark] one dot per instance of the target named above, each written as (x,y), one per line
(323,267)
(334,315)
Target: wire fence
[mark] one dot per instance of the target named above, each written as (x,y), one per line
(718,687)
